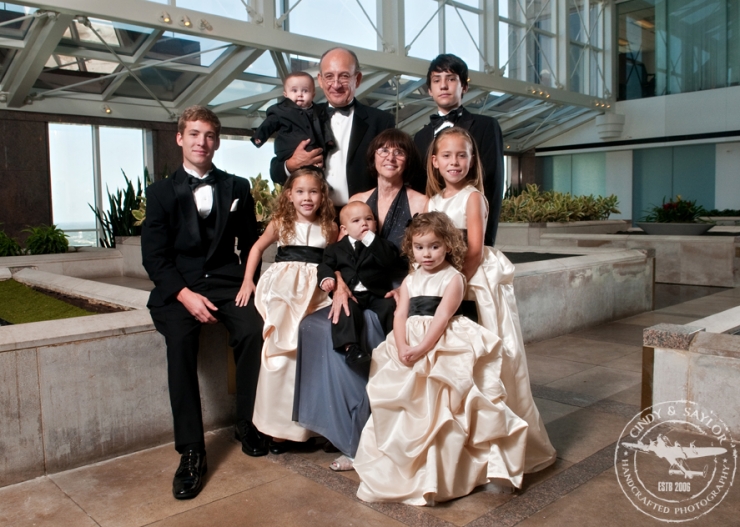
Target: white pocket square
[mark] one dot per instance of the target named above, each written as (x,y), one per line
(233,205)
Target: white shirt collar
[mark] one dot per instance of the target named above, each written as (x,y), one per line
(195,174)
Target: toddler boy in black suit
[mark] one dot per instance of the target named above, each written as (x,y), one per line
(296,119)
(363,260)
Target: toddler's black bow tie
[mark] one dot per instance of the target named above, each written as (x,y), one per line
(195,182)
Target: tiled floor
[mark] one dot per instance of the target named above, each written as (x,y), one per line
(586,385)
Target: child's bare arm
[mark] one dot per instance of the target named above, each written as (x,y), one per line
(451,300)
(476,226)
(269,237)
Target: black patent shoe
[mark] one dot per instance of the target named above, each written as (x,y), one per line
(356,355)
(280,447)
(189,476)
(253,442)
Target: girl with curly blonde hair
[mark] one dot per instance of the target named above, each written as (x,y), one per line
(302,225)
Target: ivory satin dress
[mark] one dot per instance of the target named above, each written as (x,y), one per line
(442,427)
(492,288)
(286,293)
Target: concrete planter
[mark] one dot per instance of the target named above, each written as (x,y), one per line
(674,229)
(530,233)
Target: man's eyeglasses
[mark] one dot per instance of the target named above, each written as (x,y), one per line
(342,79)
(385,152)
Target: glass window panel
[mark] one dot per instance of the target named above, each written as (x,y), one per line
(171,45)
(100,66)
(561,173)
(237,155)
(426,46)
(577,64)
(167,85)
(121,151)
(595,23)
(457,39)
(545,168)
(240,89)
(589,174)
(514,10)
(512,51)
(9,12)
(652,179)
(471,3)
(596,70)
(733,43)
(637,53)
(228,8)
(544,60)
(72,180)
(575,23)
(539,13)
(263,66)
(345,18)
(694,173)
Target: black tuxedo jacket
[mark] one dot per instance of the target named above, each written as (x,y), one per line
(293,125)
(367,122)
(171,247)
(487,134)
(372,268)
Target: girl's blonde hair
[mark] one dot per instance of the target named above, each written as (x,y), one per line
(442,227)
(474,177)
(285,214)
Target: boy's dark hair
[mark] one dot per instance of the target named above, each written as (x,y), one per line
(447,62)
(300,74)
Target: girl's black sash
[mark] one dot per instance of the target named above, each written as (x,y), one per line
(427,306)
(299,253)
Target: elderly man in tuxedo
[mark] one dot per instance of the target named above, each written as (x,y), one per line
(193,221)
(353,124)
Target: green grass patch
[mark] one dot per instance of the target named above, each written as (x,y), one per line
(20,304)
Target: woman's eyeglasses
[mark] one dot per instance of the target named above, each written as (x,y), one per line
(385,152)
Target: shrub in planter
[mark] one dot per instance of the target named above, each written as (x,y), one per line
(46,240)
(533,206)
(9,246)
(119,220)
(679,211)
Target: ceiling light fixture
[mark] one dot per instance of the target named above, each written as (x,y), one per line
(165,17)
(205,25)
(185,22)
(106,109)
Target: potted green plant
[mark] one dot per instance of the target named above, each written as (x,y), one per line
(9,246)
(46,239)
(679,217)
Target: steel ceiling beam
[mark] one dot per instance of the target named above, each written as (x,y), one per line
(229,66)
(143,13)
(42,37)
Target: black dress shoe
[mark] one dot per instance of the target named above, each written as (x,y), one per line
(189,476)
(356,355)
(253,442)
(280,447)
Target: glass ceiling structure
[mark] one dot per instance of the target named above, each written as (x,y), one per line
(540,67)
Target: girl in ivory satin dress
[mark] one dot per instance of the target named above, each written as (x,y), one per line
(302,225)
(439,425)
(455,187)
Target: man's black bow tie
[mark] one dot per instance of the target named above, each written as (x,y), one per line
(452,117)
(195,182)
(344,110)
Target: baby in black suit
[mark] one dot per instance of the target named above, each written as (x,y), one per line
(296,119)
(363,260)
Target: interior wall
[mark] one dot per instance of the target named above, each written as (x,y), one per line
(619,181)
(727,177)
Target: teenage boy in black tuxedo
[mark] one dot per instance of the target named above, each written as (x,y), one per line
(447,80)
(187,242)
(363,259)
